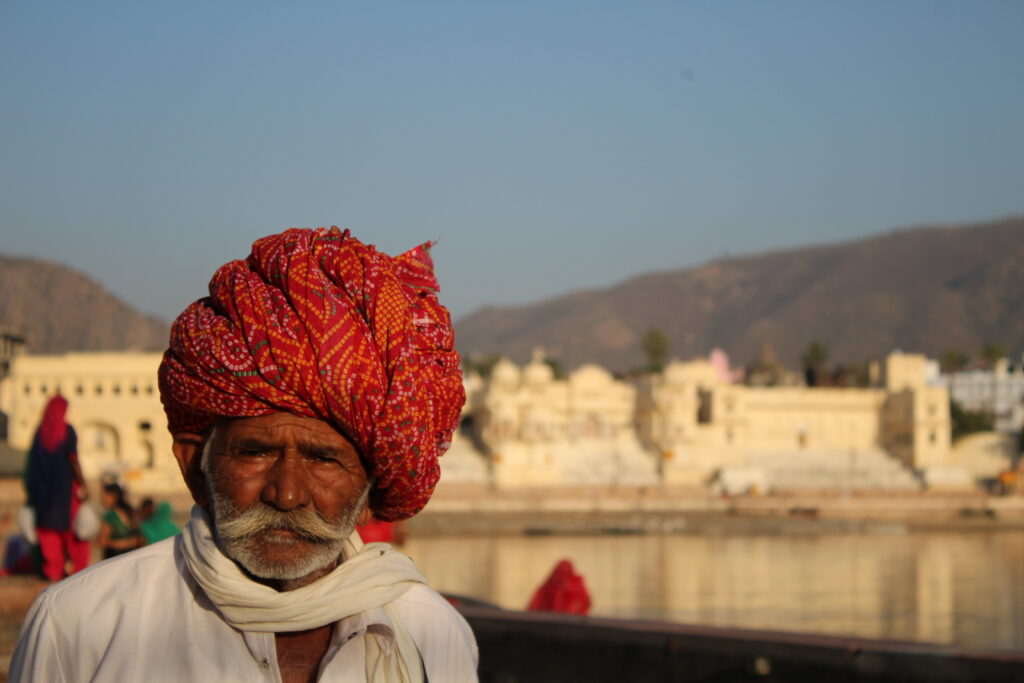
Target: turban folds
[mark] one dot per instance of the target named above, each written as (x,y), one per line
(318,324)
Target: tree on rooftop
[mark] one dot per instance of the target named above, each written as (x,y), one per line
(813,360)
(993,352)
(964,422)
(482,365)
(556,367)
(953,360)
(656,345)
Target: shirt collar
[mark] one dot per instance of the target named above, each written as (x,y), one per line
(373,620)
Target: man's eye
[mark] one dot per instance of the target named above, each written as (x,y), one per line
(252,452)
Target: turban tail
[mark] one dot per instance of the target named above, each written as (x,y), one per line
(318,324)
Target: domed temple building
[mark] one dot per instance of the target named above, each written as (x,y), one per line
(523,427)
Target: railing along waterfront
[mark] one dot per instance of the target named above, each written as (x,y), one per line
(536,647)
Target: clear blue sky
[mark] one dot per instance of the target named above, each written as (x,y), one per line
(550,145)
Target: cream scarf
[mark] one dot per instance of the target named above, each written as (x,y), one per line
(371,576)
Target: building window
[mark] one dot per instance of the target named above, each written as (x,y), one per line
(79,390)
(149,390)
(134,390)
(99,389)
(28,390)
(704,415)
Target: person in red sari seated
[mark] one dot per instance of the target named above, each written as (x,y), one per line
(314,388)
(563,591)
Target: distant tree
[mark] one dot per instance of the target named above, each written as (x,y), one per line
(992,352)
(966,422)
(813,360)
(853,375)
(556,367)
(953,360)
(482,365)
(656,347)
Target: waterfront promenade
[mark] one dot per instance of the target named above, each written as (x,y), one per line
(469,508)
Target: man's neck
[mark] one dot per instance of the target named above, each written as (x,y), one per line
(299,653)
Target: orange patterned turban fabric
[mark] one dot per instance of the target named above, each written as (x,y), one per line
(316,323)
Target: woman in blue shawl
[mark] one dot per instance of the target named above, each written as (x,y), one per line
(55,489)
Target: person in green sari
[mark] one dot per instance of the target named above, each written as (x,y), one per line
(119,531)
(156,521)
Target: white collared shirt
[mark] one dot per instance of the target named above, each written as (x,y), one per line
(141,617)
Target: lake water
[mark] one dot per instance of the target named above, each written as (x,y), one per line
(962,588)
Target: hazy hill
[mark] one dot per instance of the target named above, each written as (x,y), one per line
(59,309)
(923,289)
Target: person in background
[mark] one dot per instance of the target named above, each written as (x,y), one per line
(156,522)
(563,591)
(119,532)
(20,556)
(378,531)
(55,488)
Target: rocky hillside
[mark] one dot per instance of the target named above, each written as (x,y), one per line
(59,309)
(923,289)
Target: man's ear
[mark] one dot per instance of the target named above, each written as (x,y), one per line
(364,516)
(188,451)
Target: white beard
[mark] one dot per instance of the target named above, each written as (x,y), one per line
(241,535)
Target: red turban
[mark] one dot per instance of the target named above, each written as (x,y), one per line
(318,324)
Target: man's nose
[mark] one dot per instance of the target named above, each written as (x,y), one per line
(286,487)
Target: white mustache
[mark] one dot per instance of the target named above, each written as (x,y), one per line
(257,518)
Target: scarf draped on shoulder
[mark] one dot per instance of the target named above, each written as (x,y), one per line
(371,575)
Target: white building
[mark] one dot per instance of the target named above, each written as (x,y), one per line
(999,391)
(113,403)
(524,427)
(792,438)
(538,430)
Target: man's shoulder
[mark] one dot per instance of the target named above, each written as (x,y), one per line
(427,615)
(119,578)
(107,622)
(441,634)
(424,597)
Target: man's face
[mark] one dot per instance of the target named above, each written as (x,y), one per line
(285,492)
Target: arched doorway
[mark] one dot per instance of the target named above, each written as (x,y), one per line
(99,449)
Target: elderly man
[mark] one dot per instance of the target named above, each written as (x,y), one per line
(315,386)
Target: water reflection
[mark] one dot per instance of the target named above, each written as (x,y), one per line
(955,588)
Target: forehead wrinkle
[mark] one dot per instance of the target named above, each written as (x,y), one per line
(302,443)
(304,430)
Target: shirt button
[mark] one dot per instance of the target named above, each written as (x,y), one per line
(265,663)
